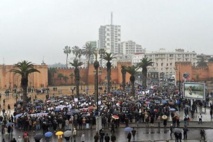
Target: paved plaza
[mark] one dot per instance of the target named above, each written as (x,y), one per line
(144,133)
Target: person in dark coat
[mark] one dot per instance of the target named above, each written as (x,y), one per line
(113,138)
(107,138)
(129,136)
(185,130)
(133,133)
(96,137)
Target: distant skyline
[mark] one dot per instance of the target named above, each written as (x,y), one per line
(36,30)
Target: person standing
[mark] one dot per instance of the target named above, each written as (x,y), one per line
(200,119)
(74,133)
(83,137)
(129,136)
(133,133)
(171,130)
(185,130)
(107,138)
(113,138)
(96,137)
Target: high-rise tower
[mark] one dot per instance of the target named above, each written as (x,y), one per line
(110,37)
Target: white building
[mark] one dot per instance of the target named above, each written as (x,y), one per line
(164,61)
(130,47)
(137,57)
(110,38)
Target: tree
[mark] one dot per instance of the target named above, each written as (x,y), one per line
(145,62)
(24,68)
(67,51)
(123,72)
(202,62)
(76,64)
(77,52)
(132,70)
(210,59)
(88,51)
(108,57)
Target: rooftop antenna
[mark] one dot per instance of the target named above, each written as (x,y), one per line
(111,18)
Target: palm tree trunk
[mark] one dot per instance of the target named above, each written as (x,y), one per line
(108,80)
(25,98)
(144,79)
(124,81)
(133,88)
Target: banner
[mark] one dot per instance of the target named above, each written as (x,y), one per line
(194,90)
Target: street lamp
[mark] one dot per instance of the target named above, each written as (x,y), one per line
(179,82)
(98,119)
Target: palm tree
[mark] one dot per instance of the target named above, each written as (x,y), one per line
(77,52)
(202,62)
(24,68)
(76,64)
(145,62)
(123,72)
(88,51)
(108,57)
(67,51)
(132,70)
(210,59)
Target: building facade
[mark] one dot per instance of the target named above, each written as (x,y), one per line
(110,38)
(164,61)
(130,47)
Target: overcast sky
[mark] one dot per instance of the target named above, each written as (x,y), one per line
(34,30)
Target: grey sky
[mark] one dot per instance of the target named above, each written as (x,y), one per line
(36,29)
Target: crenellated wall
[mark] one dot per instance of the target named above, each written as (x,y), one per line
(9,79)
(196,73)
(116,76)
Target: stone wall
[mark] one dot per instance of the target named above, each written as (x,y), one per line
(10,80)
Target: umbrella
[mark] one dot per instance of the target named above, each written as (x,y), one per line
(9,124)
(115,117)
(177,130)
(128,129)
(48,134)
(38,137)
(67,133)
(172,109)
(164,117)
(59,133)
(18,115)
(57,109)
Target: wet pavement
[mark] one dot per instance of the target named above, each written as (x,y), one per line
(144,134)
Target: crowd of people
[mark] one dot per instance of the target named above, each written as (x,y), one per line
(68,112)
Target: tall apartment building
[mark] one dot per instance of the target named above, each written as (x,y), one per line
(130,47)
(164,61)
(110,38)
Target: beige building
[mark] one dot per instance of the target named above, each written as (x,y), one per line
(10,80)
(164,61)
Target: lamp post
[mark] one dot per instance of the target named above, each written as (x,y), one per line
(98,119)
(179,82)
(96,66)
